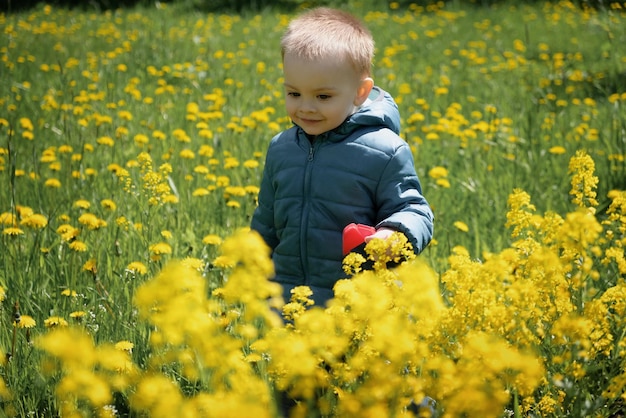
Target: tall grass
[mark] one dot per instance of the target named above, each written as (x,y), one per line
(133,138)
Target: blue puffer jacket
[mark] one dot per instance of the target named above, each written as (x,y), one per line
(360,172)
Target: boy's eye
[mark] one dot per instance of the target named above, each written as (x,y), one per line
(324,96)
(293,94)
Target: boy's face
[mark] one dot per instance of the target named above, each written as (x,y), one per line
(321,94)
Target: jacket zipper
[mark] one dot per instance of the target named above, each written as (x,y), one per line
(305,213)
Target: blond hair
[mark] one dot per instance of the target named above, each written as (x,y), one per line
(324,32)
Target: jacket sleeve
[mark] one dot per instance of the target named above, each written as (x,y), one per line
(263,217)
(401,205)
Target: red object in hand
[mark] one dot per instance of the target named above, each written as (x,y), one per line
(354,235)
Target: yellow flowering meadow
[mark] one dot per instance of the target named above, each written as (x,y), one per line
(132,145)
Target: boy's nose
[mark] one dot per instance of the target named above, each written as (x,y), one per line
(307,106)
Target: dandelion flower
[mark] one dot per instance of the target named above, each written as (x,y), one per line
(160,248)
(52,183)
(78,315)
(24,211)
(108,204)
(212,239)
(251,164)
(201,169)
(159,135)
(137,267)
(445,183)
(231,162)
(200,192)
(67,232)
(461,226)
(82,204)
(438,172)
(91,221)
(194,263)
(187,154)
(106,141)
(253,190)
(26,321)
(36,221)
(7,218)
(26,124)
(12,231)
(223,262)
(124,346)
(206,151)
(78,246)
(557,150)
(55,321)
(90,265)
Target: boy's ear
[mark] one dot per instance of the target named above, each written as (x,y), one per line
(363,91)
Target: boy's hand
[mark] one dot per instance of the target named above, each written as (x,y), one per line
(382,233)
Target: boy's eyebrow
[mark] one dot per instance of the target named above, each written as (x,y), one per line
(289,86)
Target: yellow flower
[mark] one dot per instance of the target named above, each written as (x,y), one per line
(223,261)
(26,124)
(7,218)
(12,231)
(159,135)
(461,226)
(201,191)
(251,164)
(557,150)
(445,183)
(160,248)
(82,204)
(26,321)
(24,211)
(253,190)
(137,267)
(52,183)
(90,265)
(124,345)
(125,115)
(187,154)
(78,246)
(106,141)
(438,172)
(78,315)
(55,321)
(201,169)
(69,292)
(108,204)
(91,221)
(35,221)
(67,232)
(583,181)
(212,239)
(193,263)
(231,162)
(181,135)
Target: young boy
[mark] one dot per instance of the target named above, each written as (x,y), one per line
(342,162)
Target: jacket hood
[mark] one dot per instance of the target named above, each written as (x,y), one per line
(379,110)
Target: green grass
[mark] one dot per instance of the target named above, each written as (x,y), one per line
(486,93)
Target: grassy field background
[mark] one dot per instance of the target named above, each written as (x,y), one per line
(132,138)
